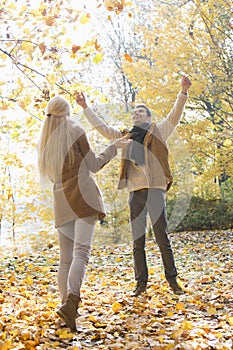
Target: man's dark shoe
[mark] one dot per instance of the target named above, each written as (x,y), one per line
(176,288)
(140,288)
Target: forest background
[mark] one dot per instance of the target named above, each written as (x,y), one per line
(119,53)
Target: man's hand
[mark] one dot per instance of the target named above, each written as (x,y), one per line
(80,99)
(185,83)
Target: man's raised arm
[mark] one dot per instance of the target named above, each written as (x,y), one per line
(168,125)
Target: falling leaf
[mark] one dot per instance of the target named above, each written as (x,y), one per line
(98,58)
(97,46)
(42,48)
(128,57)
(50,21)
(85,18)
(76,48)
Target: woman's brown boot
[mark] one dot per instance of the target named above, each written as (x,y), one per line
(68,311)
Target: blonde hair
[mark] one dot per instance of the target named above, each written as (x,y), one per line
(55,142)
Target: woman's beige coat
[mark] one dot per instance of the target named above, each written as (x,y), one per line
(76,194)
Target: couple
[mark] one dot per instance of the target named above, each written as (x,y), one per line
(66,158)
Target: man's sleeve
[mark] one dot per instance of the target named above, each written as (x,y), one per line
(168,125)
(107,131)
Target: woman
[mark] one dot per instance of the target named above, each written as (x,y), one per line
(66,159)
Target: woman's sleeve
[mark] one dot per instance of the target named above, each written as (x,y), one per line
(92,162)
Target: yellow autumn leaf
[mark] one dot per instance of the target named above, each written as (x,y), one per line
(42,48)
(161,339)
(98,58)
(230,321)
(64,334)
(23,9)
(12,6)
(100,325)
(52,304)
(227,143)
(128,57)
(2,83)
(92,318)
(151,270)
(75,48)
(114,5)
(118,259)
(85,18)
(26,31)
(116,307)
(28,280)
(3,345)
(187,325)
(180,306)
(159,304)
(51,78)
(68,42)
(50,21)
(26,46)
(212,311)
(170,313)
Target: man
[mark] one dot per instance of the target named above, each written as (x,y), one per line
(146,173)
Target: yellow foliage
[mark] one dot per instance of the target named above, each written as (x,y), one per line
(98,58)
(227,143)
(12,6)
(50,21)
(85,18)
(51,78)
(4,345)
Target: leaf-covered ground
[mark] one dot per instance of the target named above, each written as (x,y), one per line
(110,317)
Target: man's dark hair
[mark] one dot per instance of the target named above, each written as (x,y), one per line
(148,112)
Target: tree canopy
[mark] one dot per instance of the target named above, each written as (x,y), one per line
(119,53)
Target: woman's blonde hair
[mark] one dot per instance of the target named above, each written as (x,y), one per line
(55,142)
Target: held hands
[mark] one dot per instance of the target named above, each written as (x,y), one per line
(185,83)
(122,142)
(80,99)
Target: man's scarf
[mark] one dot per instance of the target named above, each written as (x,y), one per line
(138,133)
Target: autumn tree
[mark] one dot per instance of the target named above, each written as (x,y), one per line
(40,56)
(193,38)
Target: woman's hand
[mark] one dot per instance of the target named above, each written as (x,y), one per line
(80,99)
(122,142)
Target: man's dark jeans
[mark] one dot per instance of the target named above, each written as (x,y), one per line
(150,201)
